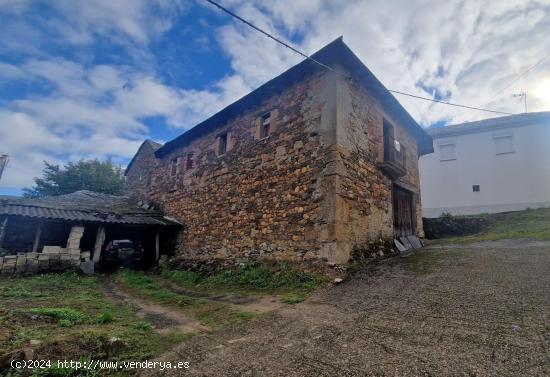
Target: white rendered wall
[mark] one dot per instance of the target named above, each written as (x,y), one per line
(508,182)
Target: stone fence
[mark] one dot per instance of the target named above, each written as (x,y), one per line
(52,258)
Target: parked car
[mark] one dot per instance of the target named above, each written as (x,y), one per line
(122,253)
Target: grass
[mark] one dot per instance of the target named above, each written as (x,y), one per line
(66,316)
(251,279)
(73,319)
(212,314)
(531,223)
(147,286)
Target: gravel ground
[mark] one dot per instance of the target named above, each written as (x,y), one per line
(480,311)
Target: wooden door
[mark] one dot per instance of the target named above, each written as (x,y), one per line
(403,212)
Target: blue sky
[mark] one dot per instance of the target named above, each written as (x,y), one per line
(95,78)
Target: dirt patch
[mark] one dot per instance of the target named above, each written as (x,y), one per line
(162,317)
(441,312)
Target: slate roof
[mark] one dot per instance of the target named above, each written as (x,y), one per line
(333,54)
(85,206)
(524,119)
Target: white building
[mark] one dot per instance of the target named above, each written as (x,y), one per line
(493,165)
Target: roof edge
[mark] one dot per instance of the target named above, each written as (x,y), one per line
(517,120)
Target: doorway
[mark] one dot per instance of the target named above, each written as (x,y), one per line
(404,214)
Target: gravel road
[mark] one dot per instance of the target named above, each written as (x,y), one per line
(445,311)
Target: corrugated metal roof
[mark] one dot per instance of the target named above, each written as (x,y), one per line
(79,206)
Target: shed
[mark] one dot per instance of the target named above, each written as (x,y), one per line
(85,221)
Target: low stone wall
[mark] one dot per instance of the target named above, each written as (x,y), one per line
(452,226)
(52,258)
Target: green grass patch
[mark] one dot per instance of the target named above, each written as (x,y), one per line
(253,279)
(104,318)
(531,223)
(66,316)
(88,317)
(212,314)
(146,285)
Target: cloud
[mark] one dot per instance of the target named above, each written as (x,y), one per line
(466,49)
(79,102)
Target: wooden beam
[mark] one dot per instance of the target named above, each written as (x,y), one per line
(157,245)
(3,230)
(37,238)
(99,240)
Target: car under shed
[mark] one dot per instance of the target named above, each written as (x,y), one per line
(75,228)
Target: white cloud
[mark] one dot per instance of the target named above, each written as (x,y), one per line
(467,49)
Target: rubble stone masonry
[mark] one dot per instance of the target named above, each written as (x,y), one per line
(310,190)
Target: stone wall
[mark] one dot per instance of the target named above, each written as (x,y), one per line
(263,198)
(138,176)
(363,203)
(52,258)
(311,190)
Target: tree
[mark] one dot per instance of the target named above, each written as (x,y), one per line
(93,175)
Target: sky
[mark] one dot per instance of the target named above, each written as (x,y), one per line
(93,79)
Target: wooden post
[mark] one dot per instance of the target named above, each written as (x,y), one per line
(157,245)
(3,230)
(99,240)
(37,238)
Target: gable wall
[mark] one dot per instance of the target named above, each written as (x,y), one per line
(138,177)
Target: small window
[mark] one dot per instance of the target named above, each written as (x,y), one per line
(266,123)
(222,144)
(475,188)
(189,161)
(504,143)
(174,166)
(447,152)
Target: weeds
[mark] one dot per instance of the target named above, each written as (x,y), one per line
(251,278)
(104,318)
(66,316)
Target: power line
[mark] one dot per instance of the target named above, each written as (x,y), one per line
(333,70)
(520,76)
(268,35)
(450,103)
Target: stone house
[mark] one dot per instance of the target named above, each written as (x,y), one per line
(308,166)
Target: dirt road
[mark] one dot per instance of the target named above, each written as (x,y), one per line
(478,311)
